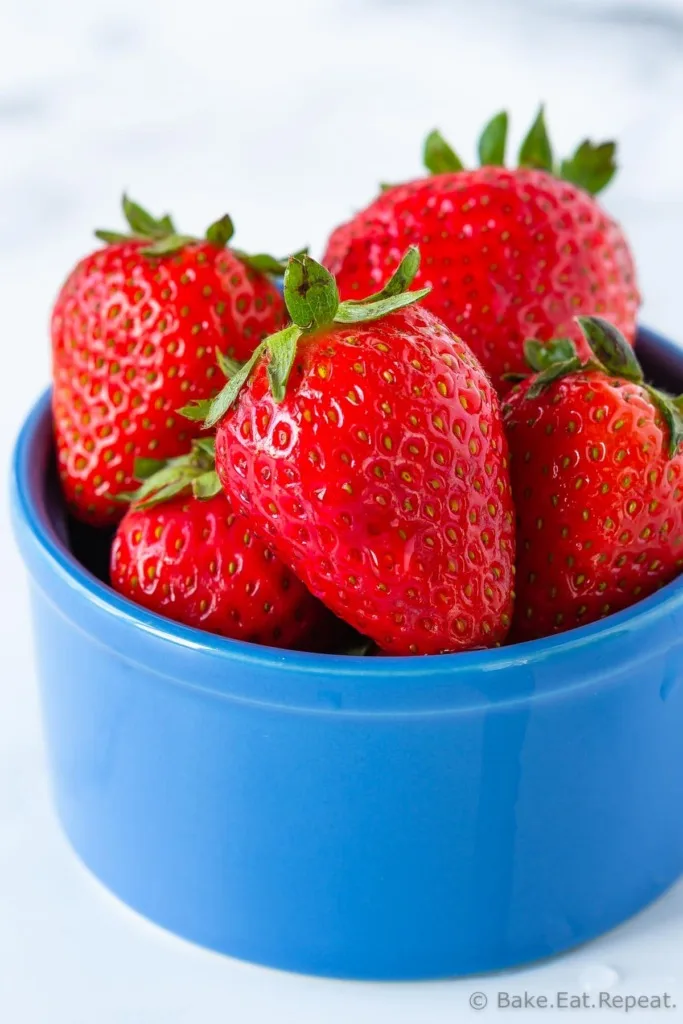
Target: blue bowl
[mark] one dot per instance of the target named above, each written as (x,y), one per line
(387,818)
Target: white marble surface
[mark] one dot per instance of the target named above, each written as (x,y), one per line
(287,114)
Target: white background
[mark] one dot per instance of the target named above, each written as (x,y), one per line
(287,114)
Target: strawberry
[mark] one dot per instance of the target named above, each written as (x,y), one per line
(597,477)
(136,331)
(510,254)
(379,470)
(182,552)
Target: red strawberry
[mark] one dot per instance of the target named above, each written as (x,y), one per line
(510,254)
(597,477)
(379,472)
(136,331)
(198,562)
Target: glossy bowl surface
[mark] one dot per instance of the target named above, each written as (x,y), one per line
(384,818)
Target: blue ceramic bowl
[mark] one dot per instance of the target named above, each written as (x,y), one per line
(368,818)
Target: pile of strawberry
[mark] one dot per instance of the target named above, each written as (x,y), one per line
(442,467)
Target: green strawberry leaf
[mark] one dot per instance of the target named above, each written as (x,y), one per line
(227,365)
(591,167)
(145,468)
(206,446)
(221,231)
(170,476)
(164,239)
(262,263)
(670,409)
(162,494)
(163,480)
(556,370)
(207,485)
(166,225)
(536,150)
(143,223)
(399,281)
(166,246)
(112,237)
(610,348)
(493,141)
(541,355)
(311,294)
(197,410)
(439,157)
(225,398)
(282,352)
(364,312)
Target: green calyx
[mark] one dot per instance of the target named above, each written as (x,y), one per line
(163,239)
(162,480)
(160,234)
(611,355)
(312,299)
(439,156)
(591,167)
(550,362)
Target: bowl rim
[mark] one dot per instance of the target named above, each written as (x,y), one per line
(464,666)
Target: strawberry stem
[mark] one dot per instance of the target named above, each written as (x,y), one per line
(613,356)
(312,299)
(163,239)
(161,481)
(591,167)
(141,223)
(311,294)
